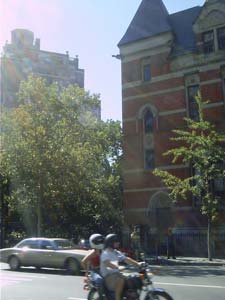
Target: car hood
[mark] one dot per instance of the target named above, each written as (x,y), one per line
(6,249)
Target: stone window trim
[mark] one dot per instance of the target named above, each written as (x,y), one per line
(141,114)
(221,38)
(191,81)
(148,122)
(146,75)
(148,135)
(208,41)
(210,17)
(192,91)
(146,107)
(214,43)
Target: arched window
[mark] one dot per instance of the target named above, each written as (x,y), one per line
(148,121)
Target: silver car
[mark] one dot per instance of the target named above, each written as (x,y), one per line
(44,252)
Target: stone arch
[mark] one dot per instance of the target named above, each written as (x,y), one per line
(210,16)
(160,211)
(212,19)
(146,107)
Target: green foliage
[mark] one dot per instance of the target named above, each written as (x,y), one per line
(64,164)
(202,147)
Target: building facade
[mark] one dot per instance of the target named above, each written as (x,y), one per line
(23,56)
(166,59)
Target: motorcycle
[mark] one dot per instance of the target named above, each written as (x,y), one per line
(137,286)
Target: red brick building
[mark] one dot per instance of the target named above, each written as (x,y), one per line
(166,58)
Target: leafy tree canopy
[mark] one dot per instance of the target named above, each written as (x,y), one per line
(64,163)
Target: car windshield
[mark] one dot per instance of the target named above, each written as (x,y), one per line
(64,244)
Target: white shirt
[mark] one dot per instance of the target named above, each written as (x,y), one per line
(112,255)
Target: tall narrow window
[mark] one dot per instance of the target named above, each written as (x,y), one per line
(208,42)
(221,38)
(149,159)
(148,121)
(192,104)
(148,139)
(146,72)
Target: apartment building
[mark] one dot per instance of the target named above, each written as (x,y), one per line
(23,56)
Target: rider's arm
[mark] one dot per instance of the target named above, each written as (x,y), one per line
(86,261)
(131,261)
(109,264)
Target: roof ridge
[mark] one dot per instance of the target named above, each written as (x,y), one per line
(181,11)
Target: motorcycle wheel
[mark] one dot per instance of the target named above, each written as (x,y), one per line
(94,295)
(158,295)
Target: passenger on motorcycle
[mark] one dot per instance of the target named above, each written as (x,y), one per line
(109,265)
(91,262)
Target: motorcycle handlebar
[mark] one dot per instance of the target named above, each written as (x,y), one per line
(143,266)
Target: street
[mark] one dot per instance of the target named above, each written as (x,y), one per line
(181,282)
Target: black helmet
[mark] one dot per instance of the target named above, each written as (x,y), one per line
(110,240)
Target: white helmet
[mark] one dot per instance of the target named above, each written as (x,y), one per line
(96,241)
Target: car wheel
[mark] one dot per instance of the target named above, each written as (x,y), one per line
(72,266)
(14,263)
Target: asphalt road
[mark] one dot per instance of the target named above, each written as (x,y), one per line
(181,282)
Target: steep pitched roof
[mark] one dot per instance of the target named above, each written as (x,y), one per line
(181,23)
(150,19)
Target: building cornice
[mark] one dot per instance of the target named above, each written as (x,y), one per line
(154,44)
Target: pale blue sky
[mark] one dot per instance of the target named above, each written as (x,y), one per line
(90,29)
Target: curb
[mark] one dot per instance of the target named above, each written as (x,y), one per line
(183,262)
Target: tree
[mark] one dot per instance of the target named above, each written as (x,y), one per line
(202,148)
(63,163)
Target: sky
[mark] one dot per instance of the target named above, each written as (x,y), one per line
(90,29)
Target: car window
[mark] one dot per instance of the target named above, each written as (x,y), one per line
(33,244)
(64,244)
(46,245)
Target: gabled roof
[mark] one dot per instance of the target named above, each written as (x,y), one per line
(150,19)
(181,23)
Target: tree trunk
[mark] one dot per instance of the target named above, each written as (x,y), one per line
(39,210)
(209,236)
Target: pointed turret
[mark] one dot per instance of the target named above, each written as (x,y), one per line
(150,19)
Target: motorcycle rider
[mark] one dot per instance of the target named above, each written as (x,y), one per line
(109,265)
(92,260)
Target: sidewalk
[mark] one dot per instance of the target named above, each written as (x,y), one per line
(198,261)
